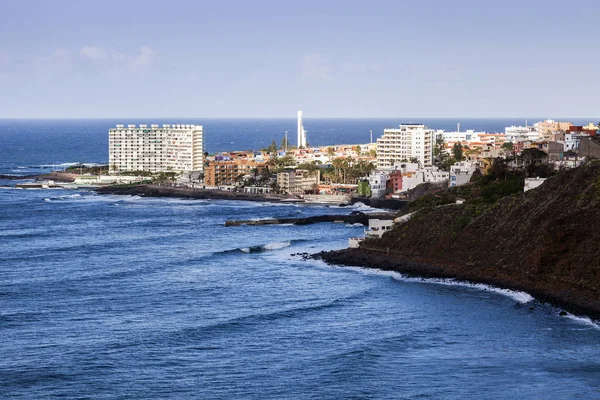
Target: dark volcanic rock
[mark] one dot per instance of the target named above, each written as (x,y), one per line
(544,242)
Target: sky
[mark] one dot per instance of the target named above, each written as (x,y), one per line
(331,58)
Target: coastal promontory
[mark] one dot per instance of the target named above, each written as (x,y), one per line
(545,242)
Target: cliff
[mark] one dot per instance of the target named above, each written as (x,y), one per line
(545,242)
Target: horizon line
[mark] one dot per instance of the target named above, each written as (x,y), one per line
(290,118)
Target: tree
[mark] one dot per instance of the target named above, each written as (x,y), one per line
(310,166)
(265,174)
(330,151)
(532,158)
(356,149)
(284,142)
(457,151)
(507,148)
(438,149)
(272,147)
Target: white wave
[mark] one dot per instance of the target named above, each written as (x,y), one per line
(69,164)
(47,200)
(583,320)
(265,247)
(69,196)
(355,225)
(276,245)
(262,219)
(519,297)
(362,207)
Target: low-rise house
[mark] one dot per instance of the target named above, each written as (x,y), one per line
(461,173)
(378,182)
(376,229)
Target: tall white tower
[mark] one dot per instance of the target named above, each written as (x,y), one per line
(301,132)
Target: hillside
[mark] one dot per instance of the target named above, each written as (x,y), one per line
(545,242)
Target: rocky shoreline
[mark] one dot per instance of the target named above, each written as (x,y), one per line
(577,302)
(190,193)
(54,176)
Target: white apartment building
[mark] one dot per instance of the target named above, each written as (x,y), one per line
(404,143)
(521,133)
(178,148)
(469,135)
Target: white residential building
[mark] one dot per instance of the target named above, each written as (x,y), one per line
(378,183)
(178,148)
(521,133)
(461,173)
(405,143)
(412,179)
(456,136)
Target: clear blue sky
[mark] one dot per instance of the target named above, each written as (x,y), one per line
(427,58)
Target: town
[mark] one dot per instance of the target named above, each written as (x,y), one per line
(400,160)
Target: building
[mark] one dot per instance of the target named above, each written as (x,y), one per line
(461,173)
(298,181)
(177,148)
(407,176)
(551,126)
(376,229)
(469,135)
(378,182)
(403,144)
(521,133)
(301,132)
(230,172)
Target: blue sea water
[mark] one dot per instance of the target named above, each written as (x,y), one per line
(120,297)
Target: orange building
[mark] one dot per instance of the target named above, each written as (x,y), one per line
(225,173)
(550,126)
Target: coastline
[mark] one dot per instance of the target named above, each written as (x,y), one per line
(55,176)
(576,300)
(193,193)
(189,193)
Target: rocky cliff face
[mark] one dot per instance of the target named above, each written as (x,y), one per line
(545,241)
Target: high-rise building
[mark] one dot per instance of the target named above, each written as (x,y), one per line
(301,131)
(404,144)
(177,148)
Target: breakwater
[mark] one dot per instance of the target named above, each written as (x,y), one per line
(352,218)
(191,193)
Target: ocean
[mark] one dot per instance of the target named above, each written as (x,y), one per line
(121,297)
